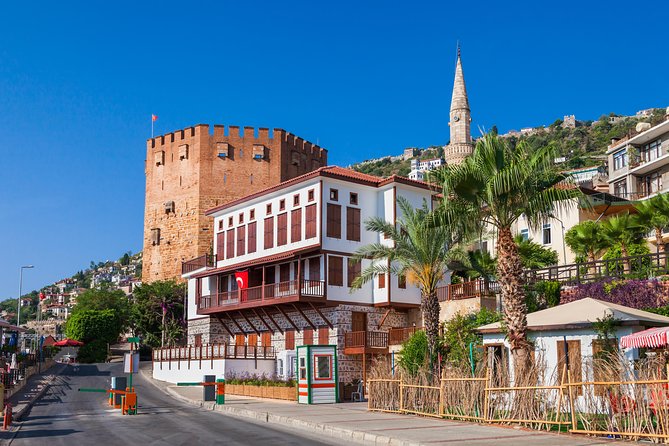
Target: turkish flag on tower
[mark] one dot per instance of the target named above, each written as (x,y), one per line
(242,278)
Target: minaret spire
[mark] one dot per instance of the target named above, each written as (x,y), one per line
(460,118)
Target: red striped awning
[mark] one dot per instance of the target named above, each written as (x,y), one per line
(651,338)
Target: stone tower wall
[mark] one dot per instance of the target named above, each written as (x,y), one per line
(185,167)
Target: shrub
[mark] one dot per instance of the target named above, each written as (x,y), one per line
(94,351)
(640,294)
(549,290)
(460,332)
(414,353)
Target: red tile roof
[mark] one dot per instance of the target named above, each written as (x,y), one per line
(337,172)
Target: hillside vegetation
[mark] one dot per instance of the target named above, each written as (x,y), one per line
(584,145)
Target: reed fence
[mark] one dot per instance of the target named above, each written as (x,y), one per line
(636,408)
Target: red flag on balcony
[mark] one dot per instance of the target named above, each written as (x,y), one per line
(42,296)
(242,278)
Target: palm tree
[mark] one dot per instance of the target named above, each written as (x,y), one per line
(653,215)
(586,239)
(494,187)
(533,255)
(416,251)
(624,230)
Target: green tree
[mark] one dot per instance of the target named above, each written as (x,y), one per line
(494,187)
(460,332)
(624,231)
(533,255)
(158,312)
(586,239)
(104,298)
(653,215)
(414,353)
(417,251)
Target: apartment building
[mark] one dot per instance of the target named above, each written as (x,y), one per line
(420,167)
(282,269)
(639,165)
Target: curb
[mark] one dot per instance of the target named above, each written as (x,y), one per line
(349,435)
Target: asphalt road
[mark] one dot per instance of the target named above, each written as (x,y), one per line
(65,416)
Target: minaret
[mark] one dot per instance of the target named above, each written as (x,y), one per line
(461,140)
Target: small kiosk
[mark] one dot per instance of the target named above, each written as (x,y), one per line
(317,374)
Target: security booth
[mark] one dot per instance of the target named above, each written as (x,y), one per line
(317,374)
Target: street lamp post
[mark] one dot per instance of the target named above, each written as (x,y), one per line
(18,304)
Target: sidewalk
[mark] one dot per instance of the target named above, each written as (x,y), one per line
(32,390)
(352,422)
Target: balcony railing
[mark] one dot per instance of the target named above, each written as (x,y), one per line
(197,263)
(212,351)
(467,290)
(366,339)
(263,293)
(642,266)
(397,336)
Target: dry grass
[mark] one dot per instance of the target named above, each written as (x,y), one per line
(623,399)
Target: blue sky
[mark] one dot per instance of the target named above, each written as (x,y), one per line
(79,81)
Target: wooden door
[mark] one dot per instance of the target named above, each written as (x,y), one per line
(358,321)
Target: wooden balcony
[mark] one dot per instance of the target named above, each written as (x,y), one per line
(361,342)
(203,261)
(269,294)
(467,290)
(397,336)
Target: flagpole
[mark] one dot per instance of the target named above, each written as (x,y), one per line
(151,126)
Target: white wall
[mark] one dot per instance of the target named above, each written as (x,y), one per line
(174,372)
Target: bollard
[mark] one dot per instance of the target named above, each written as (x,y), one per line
(220,391)
(7,420)
(208,391)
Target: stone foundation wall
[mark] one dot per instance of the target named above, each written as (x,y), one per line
(350,366)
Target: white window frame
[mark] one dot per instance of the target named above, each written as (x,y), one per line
(525,234)
(543,234)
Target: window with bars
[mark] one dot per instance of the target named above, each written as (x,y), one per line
(241,240)
(353,270)
(269,232)
(230,244)
(335,271)
(310,229)
(282,229)
(353,224)
(333,229)
(251,234)
(295,225)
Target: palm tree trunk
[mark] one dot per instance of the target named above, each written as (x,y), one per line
(592,269)
(626,263)
(430,310)
(510,277)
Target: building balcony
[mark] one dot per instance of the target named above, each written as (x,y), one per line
(263,295)
(467,290)
(648,163)
(363,342)
(204,261)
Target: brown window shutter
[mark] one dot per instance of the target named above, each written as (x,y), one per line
(296,225)
(282,229)
(251,230)
(230,244)
(284,272)
(574,348)
(241,240)
(353,224)
(323,336)
(269,232)
(402,281)
(335,271)
(308,336)
(266,339)
(334,221)
(310,230)
(354,269)
(382,280)
(220,245)
(290,339)
(315,268)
